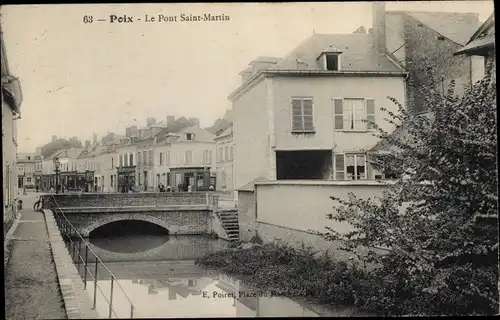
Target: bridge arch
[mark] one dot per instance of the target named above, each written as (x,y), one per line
(107,219)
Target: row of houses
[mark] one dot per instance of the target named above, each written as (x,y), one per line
(139,161)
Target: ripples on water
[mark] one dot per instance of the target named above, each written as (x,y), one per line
(158,274)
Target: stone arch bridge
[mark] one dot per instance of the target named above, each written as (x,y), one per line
(179,213)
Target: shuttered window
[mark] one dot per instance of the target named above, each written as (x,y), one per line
(354,114)
(302,115)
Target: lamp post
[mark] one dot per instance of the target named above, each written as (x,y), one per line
(57,163)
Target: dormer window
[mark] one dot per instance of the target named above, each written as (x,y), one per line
(332,62)
(189,136)
(330,59)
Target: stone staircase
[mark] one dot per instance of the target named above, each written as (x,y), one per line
(229,220)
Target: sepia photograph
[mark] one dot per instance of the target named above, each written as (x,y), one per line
(266,159)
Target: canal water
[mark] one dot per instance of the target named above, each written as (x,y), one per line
(156,273)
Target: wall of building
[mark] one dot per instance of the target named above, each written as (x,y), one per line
(424,48)
(323,90)
(224,165)
(308,202)
(395,36)
(10,173)
(251,130)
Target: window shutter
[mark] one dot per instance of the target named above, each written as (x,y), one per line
(338,111)
(370,113)
(308,115)
(359,114)
(297,115)
(339,167)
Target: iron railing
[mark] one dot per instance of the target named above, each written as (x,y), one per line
(80,256)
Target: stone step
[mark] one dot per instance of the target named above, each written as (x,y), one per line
(230,224)
(233,226)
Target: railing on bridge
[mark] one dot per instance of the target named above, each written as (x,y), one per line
(80,256)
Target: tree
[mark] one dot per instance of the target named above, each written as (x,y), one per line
(440,217)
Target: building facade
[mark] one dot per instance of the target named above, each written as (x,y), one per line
(11,102)
(224,146)
(186,158)
(424,43)
(126,165)
(26,166)
(481,46)
(304,117)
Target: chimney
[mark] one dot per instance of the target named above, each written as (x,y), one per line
(54,138)
(170,121)
(378,32)
(133,131)
(87,144)
(128,132)
(94,137)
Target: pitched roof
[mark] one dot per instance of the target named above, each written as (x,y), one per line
(358,54)
(458,27)
(200,135)
(484,37)
(67,153)
(225,133)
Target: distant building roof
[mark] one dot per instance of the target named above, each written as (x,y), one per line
(201,135)
(457,27)
(225,133)
(358,54)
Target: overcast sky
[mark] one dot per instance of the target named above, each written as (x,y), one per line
(81,78)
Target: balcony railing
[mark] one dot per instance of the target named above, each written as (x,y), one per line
(81,254)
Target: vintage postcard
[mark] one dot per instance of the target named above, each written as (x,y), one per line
(286,159)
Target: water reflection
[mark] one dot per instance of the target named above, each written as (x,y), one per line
(175,287)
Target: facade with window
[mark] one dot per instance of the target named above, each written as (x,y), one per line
(224,160)
(126,164)
(11,103)
(307,117)
(185,158)
(26,165)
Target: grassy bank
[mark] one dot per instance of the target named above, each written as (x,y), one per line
(289,272)
(301,273)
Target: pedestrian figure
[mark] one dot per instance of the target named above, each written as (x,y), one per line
(36,187)
(169,188)
(190,188)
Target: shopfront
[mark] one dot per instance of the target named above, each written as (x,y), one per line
(126,179)
(199,178)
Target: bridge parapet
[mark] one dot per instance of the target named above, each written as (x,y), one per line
(142,199)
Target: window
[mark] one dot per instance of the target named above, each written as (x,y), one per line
(151,157)
(112,163)
(112,180)
(189,136)
(161,158)
(139,157)
(167,160)
(144,157)
(188,157)
(231,153)
(28,180)
(125,156)
(121,161)
(332,62)
(226,153)
(354,114)
(302,115)
(131,158)
(210,156)
(350,167)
